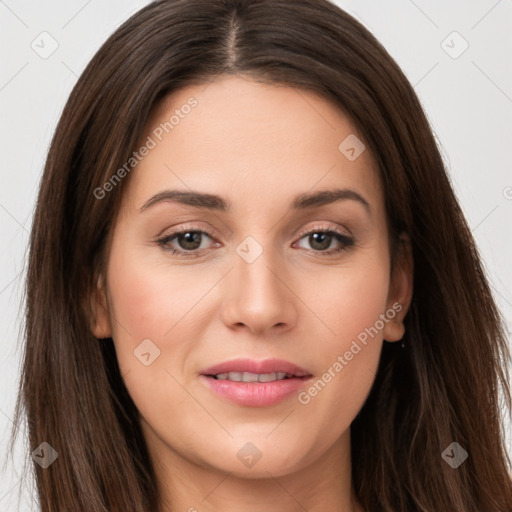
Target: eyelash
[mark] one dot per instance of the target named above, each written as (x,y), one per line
(342,238)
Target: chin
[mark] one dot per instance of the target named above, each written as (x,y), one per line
(259,458)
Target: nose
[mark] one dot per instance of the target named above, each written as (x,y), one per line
(259,296)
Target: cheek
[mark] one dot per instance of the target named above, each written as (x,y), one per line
(140,305)
(165,305)
(349,299)
(352,305)
(145,303)
(149,301)
(151,329)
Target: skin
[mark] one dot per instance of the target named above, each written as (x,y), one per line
(257,146)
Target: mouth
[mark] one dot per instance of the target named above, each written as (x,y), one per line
(250,370)
(257,377)
(253,383)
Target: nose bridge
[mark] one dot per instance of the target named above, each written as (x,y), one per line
(257,296)
(258,278)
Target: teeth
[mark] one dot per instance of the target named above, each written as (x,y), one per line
(267,377)
(253,377)
(249,377)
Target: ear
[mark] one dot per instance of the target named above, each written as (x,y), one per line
(99,318)
(400,290)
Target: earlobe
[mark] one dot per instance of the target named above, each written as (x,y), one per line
(400,291)
(394,330)
(100,321)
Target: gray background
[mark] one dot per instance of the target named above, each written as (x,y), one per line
(467,96)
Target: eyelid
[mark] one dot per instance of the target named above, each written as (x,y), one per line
(346,239)
(164,240)
(210,231)
(323,227)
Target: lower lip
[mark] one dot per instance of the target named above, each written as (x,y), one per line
(255,394)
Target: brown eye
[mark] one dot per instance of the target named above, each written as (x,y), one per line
(189,241)
(184,242)
(321,241)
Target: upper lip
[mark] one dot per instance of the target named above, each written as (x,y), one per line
(253,366)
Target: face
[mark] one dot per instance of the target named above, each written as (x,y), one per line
(228,251)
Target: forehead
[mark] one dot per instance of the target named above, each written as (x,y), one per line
(236,136)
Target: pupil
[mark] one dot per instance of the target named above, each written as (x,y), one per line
(323,239)
(190,240)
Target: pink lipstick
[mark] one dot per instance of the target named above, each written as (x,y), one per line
(254,383)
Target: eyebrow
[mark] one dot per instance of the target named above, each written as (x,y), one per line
(217,203)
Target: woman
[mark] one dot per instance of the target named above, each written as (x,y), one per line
(250,283)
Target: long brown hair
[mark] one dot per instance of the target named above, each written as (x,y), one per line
(443,387)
